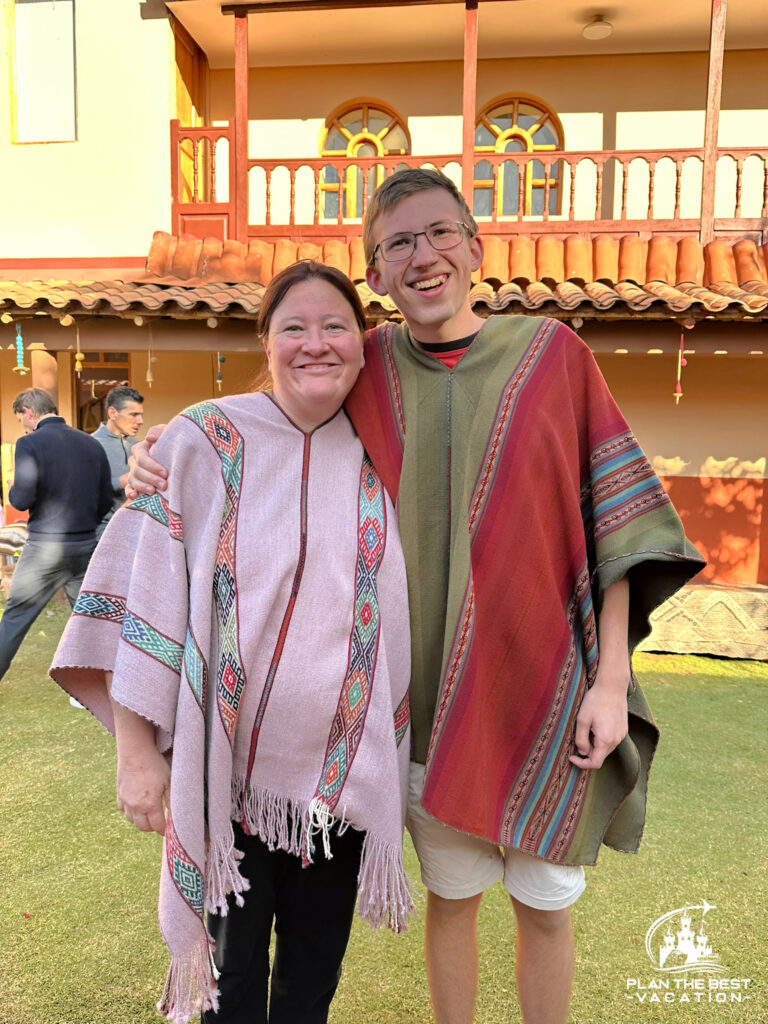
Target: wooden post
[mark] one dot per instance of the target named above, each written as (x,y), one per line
(469,101)
(175,178)
(241,125)
(714,92)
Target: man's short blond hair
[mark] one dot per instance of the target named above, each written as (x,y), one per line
(403,184)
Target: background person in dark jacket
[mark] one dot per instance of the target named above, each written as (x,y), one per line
(117,436)
(62,477)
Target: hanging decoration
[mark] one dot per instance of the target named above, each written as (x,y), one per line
(20,368)
(150,377)
(220,360)
(681,362)
(79,354)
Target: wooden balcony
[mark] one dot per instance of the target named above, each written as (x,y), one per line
(542,193)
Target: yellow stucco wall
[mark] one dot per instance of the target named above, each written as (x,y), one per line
(103,195)
(182,378)
(603,101)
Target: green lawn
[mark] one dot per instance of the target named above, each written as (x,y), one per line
(78,885)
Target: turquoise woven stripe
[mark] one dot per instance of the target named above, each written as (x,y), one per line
(152,505)
(146,638)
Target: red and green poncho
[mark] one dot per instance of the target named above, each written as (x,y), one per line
(522,495)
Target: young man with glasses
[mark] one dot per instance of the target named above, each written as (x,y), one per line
(532,527)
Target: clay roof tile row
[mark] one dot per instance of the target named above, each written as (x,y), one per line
(605,275)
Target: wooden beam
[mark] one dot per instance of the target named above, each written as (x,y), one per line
(241,126)
(273,6)
(714,92)
(469,101)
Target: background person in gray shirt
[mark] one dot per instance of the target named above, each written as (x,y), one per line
(117,437)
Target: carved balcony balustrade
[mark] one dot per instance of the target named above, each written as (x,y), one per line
(554,192)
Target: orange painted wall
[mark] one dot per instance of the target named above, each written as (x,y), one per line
(723,414)
(725,520)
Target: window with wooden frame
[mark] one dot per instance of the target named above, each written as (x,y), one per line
(516,124)
(358,128)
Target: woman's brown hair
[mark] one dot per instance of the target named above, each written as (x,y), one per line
(298,273)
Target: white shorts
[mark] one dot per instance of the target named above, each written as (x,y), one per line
(456,865)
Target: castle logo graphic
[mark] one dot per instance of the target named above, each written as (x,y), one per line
(677,942)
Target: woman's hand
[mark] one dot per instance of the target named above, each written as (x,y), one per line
(143,788)
(143,773)
(145,476)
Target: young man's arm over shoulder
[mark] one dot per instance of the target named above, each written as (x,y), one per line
(23,492)
(601,723)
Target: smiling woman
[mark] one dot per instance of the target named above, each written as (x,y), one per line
(251,668)
(314,343)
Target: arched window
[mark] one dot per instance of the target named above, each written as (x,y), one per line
(516,124)
(361,127)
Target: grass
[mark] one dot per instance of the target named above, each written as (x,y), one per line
(78,885)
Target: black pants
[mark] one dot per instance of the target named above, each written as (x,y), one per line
(312,909)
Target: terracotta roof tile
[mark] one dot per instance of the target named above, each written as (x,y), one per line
(522,259)
(605,258)
(635,297)
(578,259)
(757,287)
(690,260)
(600,294)
(602,276)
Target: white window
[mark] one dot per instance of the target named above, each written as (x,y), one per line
(44,69)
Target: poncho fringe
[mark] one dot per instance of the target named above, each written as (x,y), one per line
(191,984)
(292,825)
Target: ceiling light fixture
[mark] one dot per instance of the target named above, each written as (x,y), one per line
(598,28)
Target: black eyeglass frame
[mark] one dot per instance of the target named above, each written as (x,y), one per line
(415,234)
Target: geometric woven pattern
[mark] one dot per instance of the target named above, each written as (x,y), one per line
(186,875)
(228,443)
(545,800)
(402,719)
(624,485)
(139,634)
(157,507)
(195,669)
(349,719)
(100,606)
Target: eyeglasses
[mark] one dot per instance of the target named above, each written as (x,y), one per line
(446,234)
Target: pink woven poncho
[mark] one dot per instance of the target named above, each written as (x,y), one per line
(256,612)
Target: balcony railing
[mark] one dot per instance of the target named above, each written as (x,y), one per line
(609,191)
